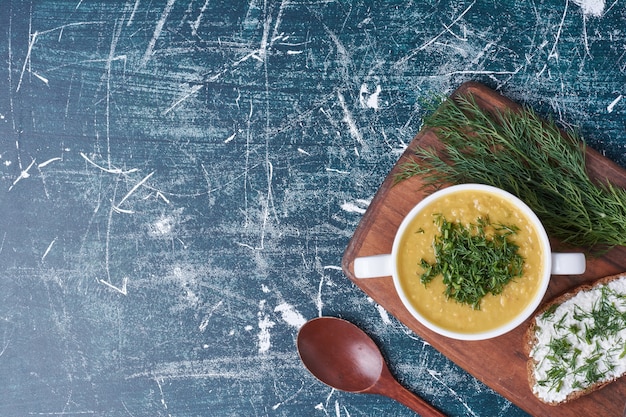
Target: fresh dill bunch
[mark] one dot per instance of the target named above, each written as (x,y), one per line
(531,158)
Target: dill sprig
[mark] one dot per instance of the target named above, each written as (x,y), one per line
(530,157)
(474,260)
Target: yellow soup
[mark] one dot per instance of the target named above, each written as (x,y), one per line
(466,206)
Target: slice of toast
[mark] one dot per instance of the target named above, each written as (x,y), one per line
(576,343)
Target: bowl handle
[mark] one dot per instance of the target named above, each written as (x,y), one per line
(373,266)
(568,263)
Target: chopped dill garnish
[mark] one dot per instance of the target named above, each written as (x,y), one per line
(591,368)
(560,349)
(550,311)
(621,355)
(474,260)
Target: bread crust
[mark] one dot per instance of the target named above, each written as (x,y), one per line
(530,338)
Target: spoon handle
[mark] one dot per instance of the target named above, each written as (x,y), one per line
(390,387)
(417,404)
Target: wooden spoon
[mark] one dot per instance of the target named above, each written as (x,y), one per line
(344,357)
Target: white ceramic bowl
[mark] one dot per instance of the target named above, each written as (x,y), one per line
(554,263)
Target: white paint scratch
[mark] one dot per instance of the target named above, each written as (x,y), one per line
(31,42)
(23,175)
(205,321)
(383,314)
(367,100)
(336,268)
(130,192)
(265,324)
(48,249)
(49,161)
(360,207)
(593,8)
(342,52)
(349,120)
(253,54)
(190,93)
(294,395)
(553,52)
(157,32)
(123,290)
(265,39)
(318,302)
(433,40)
(611,106)
(279,19)
(32,38)
(160,195)
(478,72)
(230,138)
(436,376)
(290,315)
(163,403)
(109,170)
(339,171)
(227,367)
(196,24)
(352,208)
(41,78)
(132,14)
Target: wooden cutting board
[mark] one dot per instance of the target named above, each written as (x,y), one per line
(500,362)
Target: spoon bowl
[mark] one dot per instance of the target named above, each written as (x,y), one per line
(343,356)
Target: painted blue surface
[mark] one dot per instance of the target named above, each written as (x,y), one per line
(179,180)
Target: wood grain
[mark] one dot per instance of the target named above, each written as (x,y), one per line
(500,362)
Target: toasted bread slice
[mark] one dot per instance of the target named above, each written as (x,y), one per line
(576,343)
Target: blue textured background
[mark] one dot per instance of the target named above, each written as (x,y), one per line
(179,180)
